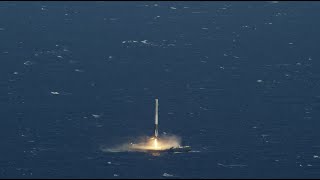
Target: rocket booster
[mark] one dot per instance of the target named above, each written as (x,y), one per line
(156,120)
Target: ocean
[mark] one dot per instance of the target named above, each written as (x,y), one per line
(239,82)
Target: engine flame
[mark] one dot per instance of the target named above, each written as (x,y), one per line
(155,143)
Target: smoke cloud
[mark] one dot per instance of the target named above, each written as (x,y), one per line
(146,143)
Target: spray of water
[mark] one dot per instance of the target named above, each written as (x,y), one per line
(146,143)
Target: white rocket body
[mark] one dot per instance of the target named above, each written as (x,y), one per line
(156,120)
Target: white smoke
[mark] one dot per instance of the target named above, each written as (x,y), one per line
(146,143)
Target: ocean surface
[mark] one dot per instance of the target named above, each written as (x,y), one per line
(239,82)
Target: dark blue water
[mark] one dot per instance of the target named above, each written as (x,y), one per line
(237,81)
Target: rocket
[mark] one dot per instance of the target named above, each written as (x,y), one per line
(156,120)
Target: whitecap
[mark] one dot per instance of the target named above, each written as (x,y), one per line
(78,70)
(28,63)
(167,175)
(96,115)
(144,41)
